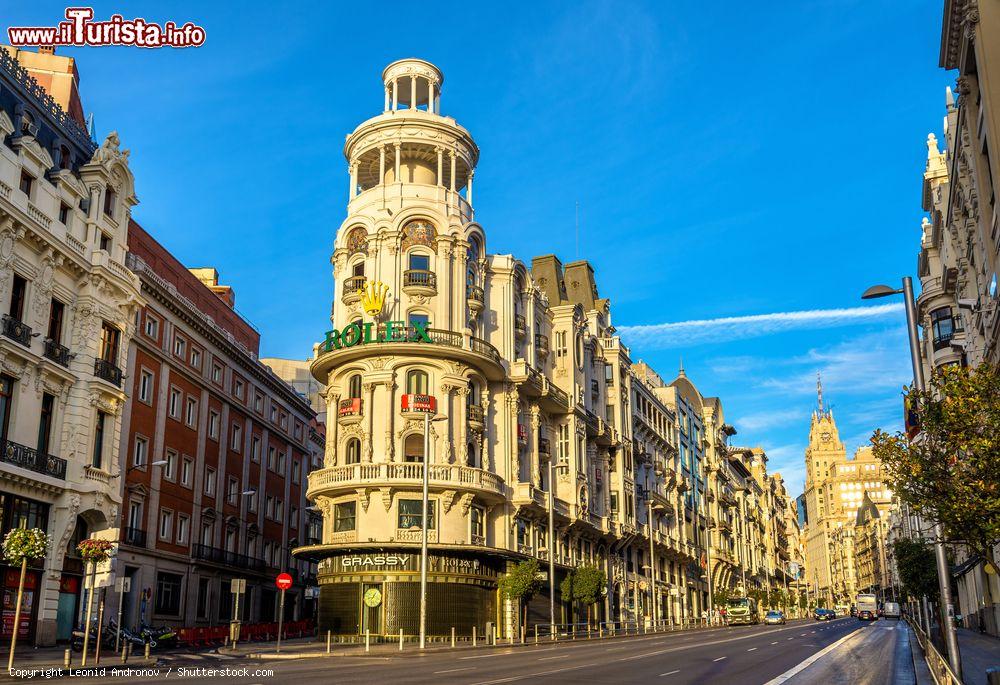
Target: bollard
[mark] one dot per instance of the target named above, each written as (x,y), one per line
(572,632)
(68,658)
(146,653)
(453,637)
(536,633)
(600,630)
(494,636)
(368,637)
(473,636)
(124,653)
(328,642)
(522,634)
(401,639)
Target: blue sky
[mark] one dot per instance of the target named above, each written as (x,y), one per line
(730,160)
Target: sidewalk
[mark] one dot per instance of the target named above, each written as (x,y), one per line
(979,652)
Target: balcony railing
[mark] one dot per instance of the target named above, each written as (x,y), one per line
(56,352)
(475,293)
(542,344)
(476,413)
(438,336)
(453,475)
(17,330)
(135,537)
(544,447)
(420,279)
(108,371)
(220,556)
(350,407)
(31,459)
(352,285)
(520,325)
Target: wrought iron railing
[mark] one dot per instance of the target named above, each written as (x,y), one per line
(475,294)
(420,278)
(56,352)
(220,556)
(108,371)
(476,413)
(17,330)
(31,459)
(542,343)
(136,537)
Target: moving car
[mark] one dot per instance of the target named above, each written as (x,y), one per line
(774,618)
(866,615)
(824,615)
(891,610)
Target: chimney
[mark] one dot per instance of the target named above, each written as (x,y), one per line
(209,277)
(46,49)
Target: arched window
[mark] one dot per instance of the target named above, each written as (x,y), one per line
(419,318)
(470,276)
(473,252)
(473,392)
(472,459)
(354,387)
(416,382)
(353,454)
(358,268)
(413,447)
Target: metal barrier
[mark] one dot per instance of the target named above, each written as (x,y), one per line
(938,665)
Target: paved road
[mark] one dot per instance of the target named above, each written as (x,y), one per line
(752,655)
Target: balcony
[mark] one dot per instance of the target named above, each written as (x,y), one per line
(520,326)
(419,282)
(542,345)
(134,537)
(348,477)
(349,410)
(31,459)
(17,330)
(214,555)
(522,434)
(417,404)
(479,540)
(477,416)
(476,298)
(352,289)
(544,448)
(107,371)
(56,352)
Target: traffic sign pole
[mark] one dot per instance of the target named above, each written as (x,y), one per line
(283,582)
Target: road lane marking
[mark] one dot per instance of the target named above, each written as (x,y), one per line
(539,673)
(455,670)
(676,670)
(752,649)
(615,649)
(550,658)
(719,659)
(811,660)
(774,643)
(791,638)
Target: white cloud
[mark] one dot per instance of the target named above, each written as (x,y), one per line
(770,419)
(726,329)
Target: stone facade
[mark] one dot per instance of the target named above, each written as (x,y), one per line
(69,305)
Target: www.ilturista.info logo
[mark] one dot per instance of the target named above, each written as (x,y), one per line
(80,29)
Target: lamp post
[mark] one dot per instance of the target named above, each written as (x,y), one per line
(652,549)
(551,469)
(948,626)
(423,526)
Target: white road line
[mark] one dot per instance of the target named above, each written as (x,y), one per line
(615,649)
(487,656)
(752,649)
(670,672)
(551,658)
(774,643)
(811,660)
(791,638)
(455,670)
(719,659)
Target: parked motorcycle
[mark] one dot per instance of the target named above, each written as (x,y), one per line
(162,636)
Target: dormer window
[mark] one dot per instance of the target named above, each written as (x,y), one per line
(28,127)
(109,202)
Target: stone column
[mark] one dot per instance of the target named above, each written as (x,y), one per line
(533,446)
(397,146)
(386,107)
(369,390)
(381,165)
(454,166)
(468,193)
(440,166)
(413,92)
(395,94)
(330,452)
(354,181)
(390,438)
(463,423)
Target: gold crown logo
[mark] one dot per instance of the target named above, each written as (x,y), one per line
(373,297)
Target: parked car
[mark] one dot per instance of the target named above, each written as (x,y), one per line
(866,615)
(774,618)
(824,615)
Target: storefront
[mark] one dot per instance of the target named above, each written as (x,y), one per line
(378,591)
(15,511)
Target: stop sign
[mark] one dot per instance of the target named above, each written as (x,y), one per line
(283,581)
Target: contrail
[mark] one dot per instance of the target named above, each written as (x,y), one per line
(729,328)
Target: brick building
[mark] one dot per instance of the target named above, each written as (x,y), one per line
(215,457)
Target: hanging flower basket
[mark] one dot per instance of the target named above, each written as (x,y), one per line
(95,551)
(25,543)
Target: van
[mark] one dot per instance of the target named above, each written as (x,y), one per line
(890,610)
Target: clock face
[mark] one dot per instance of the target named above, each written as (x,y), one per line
(373,597)
(825,436)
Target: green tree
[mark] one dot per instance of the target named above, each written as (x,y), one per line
(917,568)
(721,596)
(950,472)
(520,584)
(584,585)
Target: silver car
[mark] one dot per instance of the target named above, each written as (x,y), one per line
(774,618)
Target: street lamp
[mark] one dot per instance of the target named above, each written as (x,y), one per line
(423,526)
(948,626)
(551,468)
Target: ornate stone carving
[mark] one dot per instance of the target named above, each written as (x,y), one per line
(364,498)
(386,498)
(448,499)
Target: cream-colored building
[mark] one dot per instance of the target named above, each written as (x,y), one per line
(959,259)
(69,306)
(527,392)
(296,373)
(834,490)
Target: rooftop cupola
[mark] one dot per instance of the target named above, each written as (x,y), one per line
(413,84)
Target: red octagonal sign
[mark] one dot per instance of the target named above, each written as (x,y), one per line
(283,581)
